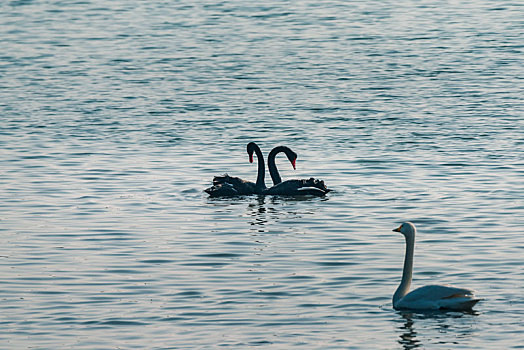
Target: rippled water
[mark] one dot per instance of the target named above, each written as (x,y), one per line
(114,116)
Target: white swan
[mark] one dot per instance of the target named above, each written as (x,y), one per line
(432,297)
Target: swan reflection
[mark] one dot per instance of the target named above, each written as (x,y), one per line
(429,322)
(408,338)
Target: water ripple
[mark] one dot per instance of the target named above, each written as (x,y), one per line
(115,117)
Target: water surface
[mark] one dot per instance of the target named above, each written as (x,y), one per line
(115,116)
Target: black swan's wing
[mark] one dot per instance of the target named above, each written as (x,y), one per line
(228,186)
(309,186)
(217,180)
(222,190)
(222,186)
(313,191)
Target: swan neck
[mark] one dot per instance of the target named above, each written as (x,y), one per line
(407,272)
(273,171)
(261,169)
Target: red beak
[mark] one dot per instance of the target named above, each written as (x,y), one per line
(293,163)
(251,158)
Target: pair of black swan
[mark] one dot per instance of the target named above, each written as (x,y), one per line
(227,186)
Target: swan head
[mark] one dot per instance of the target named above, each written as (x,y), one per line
(407,229)
(291,156)
(251,147)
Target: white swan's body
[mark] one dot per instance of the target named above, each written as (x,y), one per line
(432,297)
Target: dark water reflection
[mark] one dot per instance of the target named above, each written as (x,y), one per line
(258,213)
(263,210)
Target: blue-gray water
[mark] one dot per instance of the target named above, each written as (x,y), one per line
(115,115)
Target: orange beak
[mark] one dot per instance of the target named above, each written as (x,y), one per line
(397,229)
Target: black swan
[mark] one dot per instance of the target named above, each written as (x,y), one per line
(227,186)
(309,186)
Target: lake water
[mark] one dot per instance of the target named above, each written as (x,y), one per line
(114,116)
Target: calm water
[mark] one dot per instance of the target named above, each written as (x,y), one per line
(114,116)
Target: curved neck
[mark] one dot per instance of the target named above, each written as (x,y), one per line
(261,169)
(407,273)
(273,171)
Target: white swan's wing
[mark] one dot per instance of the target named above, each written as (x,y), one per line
(434,297)
(438,291)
